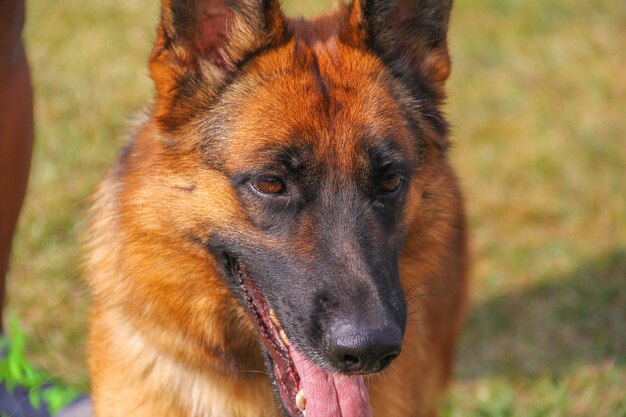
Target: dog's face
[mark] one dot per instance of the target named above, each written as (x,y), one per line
(323,188)
(313,144)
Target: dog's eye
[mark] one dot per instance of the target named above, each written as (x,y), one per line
(269,185)
(391,183)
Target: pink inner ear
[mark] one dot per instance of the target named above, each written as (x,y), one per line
(214,21)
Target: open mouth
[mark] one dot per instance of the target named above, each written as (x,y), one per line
(303,387)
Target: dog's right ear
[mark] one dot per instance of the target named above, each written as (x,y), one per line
(200,44)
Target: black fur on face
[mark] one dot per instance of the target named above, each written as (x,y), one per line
(333,240)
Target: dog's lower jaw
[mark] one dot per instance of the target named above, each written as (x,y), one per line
(295,377)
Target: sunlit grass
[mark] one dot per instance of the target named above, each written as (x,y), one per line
(538,103)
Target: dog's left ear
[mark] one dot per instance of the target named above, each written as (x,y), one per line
(409,35)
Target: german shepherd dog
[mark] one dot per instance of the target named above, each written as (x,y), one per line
(283,223)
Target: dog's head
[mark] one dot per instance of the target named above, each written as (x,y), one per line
(302,153)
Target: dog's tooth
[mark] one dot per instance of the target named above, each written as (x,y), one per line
(273,317)
(281,332)
(301,400)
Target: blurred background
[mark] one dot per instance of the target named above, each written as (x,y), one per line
(537,99)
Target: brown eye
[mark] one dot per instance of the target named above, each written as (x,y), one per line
(269,185)
(391,184)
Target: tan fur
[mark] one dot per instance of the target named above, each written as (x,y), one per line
(168,338)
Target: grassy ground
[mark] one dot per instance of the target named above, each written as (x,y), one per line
(538,101)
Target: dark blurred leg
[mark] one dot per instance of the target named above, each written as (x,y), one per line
(16,128)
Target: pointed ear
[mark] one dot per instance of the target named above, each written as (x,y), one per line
(409,35)
(200,44)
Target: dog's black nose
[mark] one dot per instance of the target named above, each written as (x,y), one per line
(361,348)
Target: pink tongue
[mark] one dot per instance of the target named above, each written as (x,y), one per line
(329,394)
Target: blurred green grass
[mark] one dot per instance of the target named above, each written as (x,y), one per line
(538,104)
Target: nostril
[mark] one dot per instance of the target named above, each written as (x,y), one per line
(386,360)
(350,362)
